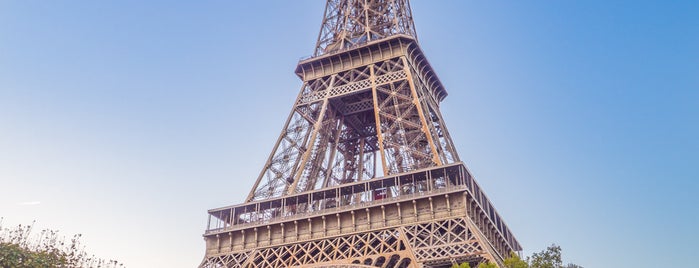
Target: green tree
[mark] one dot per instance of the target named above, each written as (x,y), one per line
(515,262)
(12,255)
(462,265)
(549,258)
(488,265)
(20,248)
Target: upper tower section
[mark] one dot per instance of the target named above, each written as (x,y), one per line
(349,23)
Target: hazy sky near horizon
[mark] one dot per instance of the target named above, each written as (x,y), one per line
(126,120)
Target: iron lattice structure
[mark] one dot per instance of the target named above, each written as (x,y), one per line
(364,173)
(347,24)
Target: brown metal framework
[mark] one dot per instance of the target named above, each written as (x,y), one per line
(348,23)
(364,172)
(362,113)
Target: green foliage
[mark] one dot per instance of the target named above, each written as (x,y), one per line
(488,265)
(12,255)
(20,248)
(515,262)
(463,265)
(549,258)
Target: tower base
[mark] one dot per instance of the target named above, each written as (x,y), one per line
(428,218)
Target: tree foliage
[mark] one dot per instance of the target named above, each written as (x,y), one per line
(514,261)
(19,247)
(549,258)
(488,265)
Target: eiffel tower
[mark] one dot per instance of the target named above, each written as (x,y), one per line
(364,173)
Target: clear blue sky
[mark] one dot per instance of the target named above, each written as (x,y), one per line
(126,120)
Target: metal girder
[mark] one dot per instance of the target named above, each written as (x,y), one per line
(371,120)
(440,214)
(349,23)
(364,172)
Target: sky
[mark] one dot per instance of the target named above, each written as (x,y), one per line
(125,121)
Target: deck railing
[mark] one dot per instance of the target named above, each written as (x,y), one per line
(351,196)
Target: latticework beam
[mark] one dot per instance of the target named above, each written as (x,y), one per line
(350,23)
(366,120)
(364,172)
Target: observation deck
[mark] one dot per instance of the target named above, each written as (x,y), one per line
(445,192)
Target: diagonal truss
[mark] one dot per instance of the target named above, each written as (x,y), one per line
(349,23)
(389,248)
(364,172)
(368,121)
